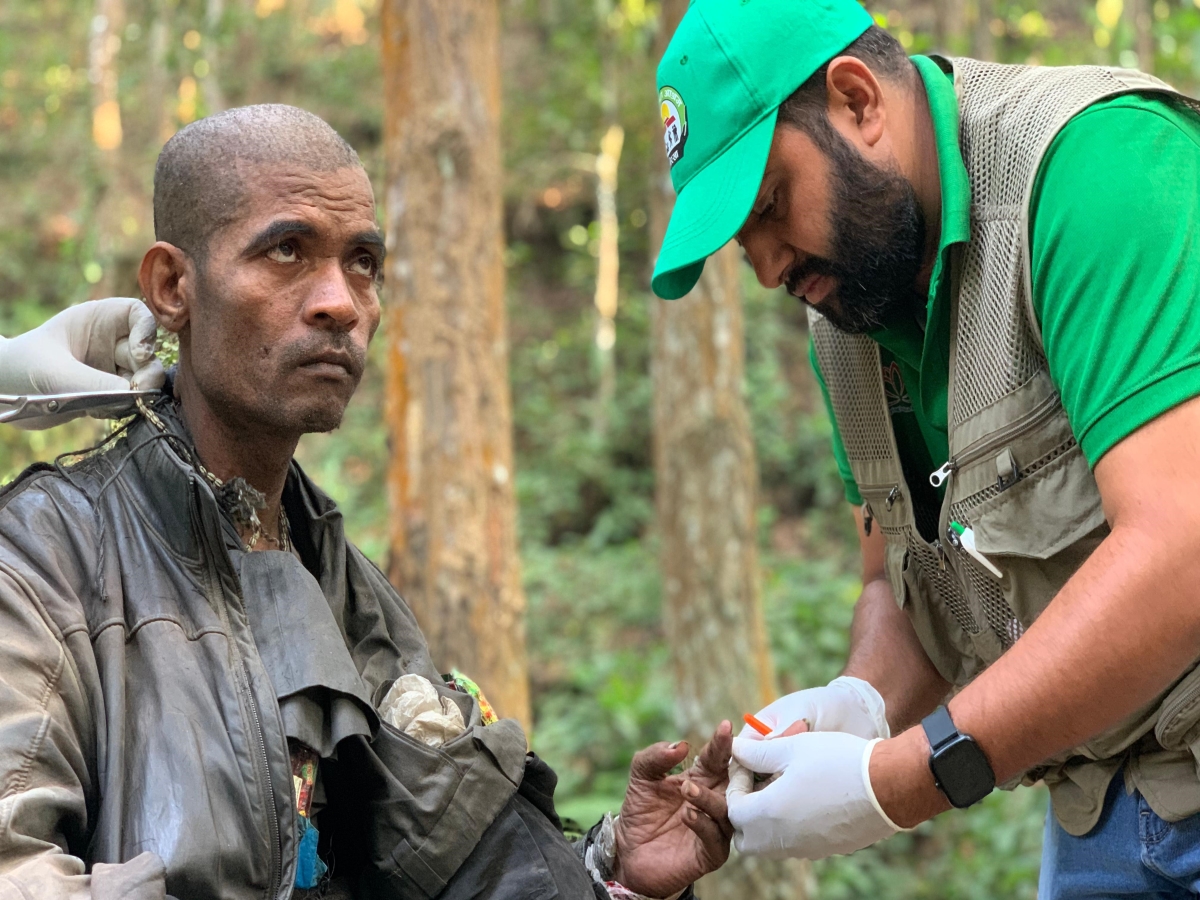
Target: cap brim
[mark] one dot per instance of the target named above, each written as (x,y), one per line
(711,209)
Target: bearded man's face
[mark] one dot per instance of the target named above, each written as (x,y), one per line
(843,234)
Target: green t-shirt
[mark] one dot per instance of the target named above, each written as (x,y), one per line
(1115,243)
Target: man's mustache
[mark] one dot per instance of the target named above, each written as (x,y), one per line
(814,265)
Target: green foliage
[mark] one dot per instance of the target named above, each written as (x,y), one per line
(598,664)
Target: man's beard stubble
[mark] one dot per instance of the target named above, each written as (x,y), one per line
(878,241)
(253,405)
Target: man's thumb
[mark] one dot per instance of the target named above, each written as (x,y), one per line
(143,332)
(655,761)
(764,757)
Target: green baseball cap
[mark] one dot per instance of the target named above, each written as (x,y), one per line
(728,68)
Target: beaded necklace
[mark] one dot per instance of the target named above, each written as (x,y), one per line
(236,496)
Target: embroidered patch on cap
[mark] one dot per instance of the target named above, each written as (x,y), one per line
(675,124)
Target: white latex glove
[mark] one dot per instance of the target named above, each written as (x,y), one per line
(845,704)
(822,803)
(100,345)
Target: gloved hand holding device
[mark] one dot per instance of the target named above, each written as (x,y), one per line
(820,801)
(846,704)
(100,345)
(822,804)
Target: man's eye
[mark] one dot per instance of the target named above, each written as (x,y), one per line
(284,253)
(365,265)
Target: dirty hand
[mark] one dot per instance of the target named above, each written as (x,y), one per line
(101,345)
(673,828)
(821,804)
(845,704)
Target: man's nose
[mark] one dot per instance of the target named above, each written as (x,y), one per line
(331,302)
(768,257)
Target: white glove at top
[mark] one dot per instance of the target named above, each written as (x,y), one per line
(821,804)
(845,704)
(101,345)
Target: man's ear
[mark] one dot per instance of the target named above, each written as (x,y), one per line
(165,277)
(856,101)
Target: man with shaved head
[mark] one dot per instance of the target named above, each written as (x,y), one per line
(203,684)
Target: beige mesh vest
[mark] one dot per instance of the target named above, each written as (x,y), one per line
(1016,475)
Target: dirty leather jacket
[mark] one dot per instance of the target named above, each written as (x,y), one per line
(141,750)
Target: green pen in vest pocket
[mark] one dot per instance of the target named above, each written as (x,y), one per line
(966,539)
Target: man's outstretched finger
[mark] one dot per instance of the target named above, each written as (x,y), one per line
(713,760)
(657,760)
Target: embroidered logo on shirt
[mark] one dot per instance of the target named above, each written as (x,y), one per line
(895,390)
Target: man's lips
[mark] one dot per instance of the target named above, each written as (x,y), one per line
(332,362)
(813,289)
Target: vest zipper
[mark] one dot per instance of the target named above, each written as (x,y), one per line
(981,448)
(868,514)
(939,476)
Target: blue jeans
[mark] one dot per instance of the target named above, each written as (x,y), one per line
(1130,853)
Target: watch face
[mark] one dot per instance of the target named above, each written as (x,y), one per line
(963,772)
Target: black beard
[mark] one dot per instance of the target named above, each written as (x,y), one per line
(878,241)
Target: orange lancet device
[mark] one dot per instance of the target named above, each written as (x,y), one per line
(756,724)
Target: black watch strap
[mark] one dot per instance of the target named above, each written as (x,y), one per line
(939,728)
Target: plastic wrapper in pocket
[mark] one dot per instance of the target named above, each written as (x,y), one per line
(414,706)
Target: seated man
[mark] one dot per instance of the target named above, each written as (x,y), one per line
(192,655)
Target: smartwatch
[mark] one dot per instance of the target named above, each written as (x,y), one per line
(960,769)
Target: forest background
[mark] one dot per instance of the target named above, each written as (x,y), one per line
(89,90)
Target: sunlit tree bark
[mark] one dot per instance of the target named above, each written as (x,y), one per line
(983,42)
(608,270)
(1141,18)
(123,144)
(608,162)
(707,482)
(453,549)
(214,97)
(948,24)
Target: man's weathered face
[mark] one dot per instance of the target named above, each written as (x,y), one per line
(286,301)
(843,234)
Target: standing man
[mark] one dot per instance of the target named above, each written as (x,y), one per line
(1002,266)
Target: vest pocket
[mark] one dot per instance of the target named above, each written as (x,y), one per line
(1178,726)
(1037,526)
(1042,513)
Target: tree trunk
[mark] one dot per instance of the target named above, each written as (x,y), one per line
(214,97)
(608,162)
(159,83)
(453,548)
(707,481)
(1142,20)
(608,271)
(104,47)
(983,43)
(948,26)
